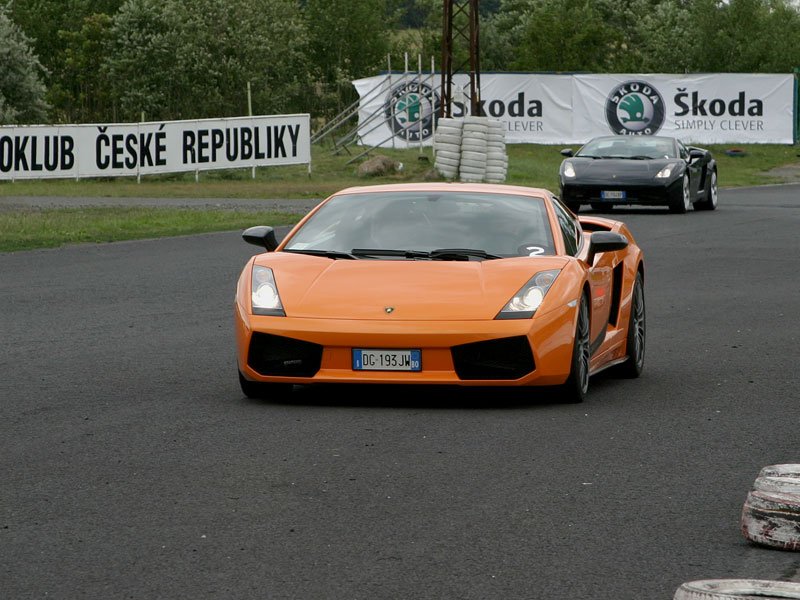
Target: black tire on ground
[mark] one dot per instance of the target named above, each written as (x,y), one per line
(635,344)
(680,201)
(573,206)
(602,207)
(264,391)
(709,201)
(575,388)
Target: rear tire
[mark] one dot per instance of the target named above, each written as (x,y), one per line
(575,388)
(264,391)
(573,206)
(635,344)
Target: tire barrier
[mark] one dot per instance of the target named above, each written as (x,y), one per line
(732,589)
(471,149)
(497,159)
(447,146)
(771,512)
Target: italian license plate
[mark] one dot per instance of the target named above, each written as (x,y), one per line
(386,360)
(612,195)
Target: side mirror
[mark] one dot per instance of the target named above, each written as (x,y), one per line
(261,235)
(566,152)
(696,153)
(605,241)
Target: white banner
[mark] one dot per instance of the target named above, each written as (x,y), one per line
(132,149)
(400,110)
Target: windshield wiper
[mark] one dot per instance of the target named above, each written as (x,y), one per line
(389,252)
(460,254)
(324,253)
(440,254)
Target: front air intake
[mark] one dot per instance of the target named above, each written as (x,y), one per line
(282,356)
(506,358)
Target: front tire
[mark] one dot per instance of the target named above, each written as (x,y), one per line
(635,344)
(709,201)
(575,388)
(681,200)
(263,391)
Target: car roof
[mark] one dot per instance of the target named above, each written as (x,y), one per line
(632,138)
(489,188)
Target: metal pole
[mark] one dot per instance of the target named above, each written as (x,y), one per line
(250,113)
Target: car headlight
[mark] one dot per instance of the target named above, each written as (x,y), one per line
(569,170)
(665,172)
(265,297)
(529,297)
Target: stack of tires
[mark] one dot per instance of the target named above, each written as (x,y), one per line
(496,157)
(447,146)
(770,517)
(472,149)
(771,512)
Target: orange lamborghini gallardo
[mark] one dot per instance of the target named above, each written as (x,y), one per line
(441,284)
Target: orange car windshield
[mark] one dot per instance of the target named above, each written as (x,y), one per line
(497,224)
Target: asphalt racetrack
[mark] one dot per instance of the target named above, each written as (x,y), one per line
(132,466)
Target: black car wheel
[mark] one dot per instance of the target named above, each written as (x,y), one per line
(263,391)
(574,389)
(632,367)
(709,201)
(599,206)
(573,206)
(681,200)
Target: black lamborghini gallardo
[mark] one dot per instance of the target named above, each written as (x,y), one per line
(637,169)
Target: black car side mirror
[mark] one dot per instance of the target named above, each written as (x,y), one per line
(605,241)
(696,153)
(566,152)
(261,235)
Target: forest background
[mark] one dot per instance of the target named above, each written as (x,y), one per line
(101,61)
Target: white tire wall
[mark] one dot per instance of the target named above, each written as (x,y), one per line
(732,589)
(771,511)
(497,158)
(447,147)
(471,149)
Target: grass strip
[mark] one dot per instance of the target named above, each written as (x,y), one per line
(51,228)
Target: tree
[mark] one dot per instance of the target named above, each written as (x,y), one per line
(552,35)
(21,88)
(348,39)
(194,58)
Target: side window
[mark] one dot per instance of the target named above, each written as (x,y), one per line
(570,229)
(684,153)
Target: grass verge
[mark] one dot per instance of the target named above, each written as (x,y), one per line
(27,230)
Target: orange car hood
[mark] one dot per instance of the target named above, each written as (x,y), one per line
(313,287)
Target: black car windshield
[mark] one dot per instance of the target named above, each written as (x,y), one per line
(635,147)
(435,225)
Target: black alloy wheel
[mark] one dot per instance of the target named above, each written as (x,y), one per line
(635,344)
(575,388)
(681,199)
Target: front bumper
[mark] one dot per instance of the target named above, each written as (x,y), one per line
(653,194)
(533,351)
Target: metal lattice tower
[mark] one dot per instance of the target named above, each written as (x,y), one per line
(460,53)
